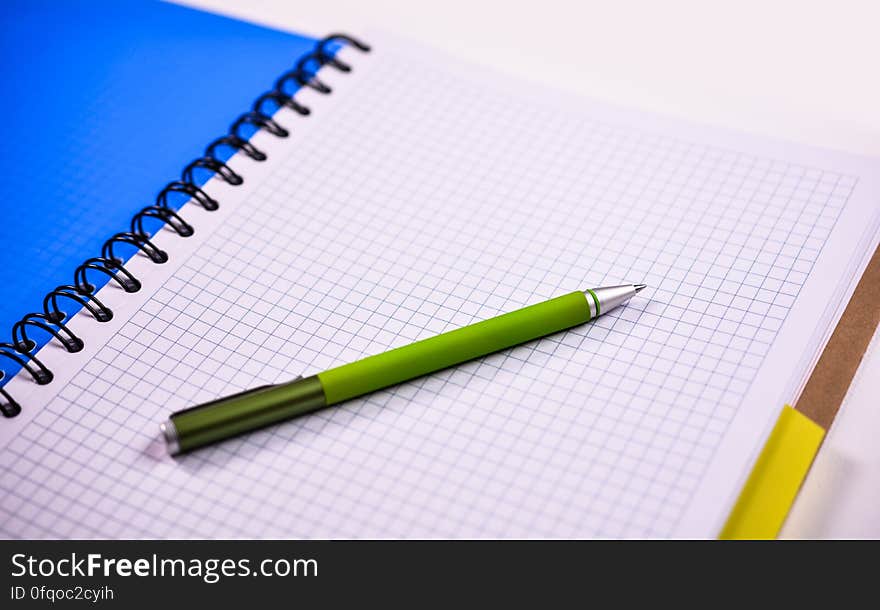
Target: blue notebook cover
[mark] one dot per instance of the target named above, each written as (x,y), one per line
(105,103)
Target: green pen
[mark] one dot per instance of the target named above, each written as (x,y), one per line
(226,417)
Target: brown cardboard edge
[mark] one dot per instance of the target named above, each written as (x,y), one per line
(830,381)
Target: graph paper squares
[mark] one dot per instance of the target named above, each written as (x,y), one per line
(423,204)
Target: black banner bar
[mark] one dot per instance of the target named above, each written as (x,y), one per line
(129,574)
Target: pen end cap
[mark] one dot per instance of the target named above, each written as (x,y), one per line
(169,433)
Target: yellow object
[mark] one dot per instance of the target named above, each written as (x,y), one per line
(776,478)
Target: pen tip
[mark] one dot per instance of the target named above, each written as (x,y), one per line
(640,287)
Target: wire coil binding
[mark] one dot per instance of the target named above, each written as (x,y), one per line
(22,349)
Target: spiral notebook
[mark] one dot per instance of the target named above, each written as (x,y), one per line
(418,195)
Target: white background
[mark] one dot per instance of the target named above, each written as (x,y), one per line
(802,71)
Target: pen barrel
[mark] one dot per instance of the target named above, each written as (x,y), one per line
(457,346)
(232,415)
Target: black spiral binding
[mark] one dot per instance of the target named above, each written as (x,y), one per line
(51,319)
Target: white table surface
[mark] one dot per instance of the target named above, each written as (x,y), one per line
(803,71)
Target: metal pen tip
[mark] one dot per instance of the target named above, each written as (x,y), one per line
(640,287)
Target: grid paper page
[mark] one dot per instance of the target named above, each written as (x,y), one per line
(419,200)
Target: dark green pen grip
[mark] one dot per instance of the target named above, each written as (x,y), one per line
(232,415)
